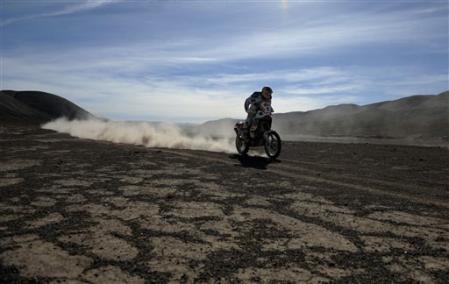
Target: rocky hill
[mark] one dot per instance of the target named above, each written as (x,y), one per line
(410,117)
(33,107)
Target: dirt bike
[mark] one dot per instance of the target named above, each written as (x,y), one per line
(263,136)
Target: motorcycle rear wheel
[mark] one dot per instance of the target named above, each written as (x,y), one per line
(241,145)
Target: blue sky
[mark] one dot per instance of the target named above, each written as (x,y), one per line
(191,61)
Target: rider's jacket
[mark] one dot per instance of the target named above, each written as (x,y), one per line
(256,101)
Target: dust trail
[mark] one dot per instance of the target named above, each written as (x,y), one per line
(141,133)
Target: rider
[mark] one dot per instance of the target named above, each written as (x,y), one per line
(257,101)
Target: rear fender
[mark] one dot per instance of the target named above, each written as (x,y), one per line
(238,127)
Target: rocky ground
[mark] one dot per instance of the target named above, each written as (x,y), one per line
(75,210)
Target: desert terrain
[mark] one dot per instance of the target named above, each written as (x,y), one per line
(118,157)
(84,211)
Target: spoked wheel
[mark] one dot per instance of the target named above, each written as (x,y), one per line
(241,145)
(272,144)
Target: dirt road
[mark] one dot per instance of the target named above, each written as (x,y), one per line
(89,211)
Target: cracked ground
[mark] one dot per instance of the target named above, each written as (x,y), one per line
(82,211)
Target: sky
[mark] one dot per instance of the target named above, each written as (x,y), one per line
(192,61)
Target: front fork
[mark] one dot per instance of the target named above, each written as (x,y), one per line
(266,136)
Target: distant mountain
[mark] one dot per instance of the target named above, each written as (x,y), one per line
(415,117)
(418,117)
(33,107)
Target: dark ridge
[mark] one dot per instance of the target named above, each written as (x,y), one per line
(34,107)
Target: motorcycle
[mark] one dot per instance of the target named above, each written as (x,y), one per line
(263,136)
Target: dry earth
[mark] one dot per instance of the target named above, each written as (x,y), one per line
(80,211)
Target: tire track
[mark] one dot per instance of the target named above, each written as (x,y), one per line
(290,172)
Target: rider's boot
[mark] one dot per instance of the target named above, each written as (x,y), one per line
(245,135)
(252,131)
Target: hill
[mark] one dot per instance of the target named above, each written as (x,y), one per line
(418,117)
(423,117)
(33,107)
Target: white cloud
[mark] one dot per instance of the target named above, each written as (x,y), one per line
(211,96)
(283,75)
(69,9)
(319,90)
(133,78)
(206,96)
(326,35)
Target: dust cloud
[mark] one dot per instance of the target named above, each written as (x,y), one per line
(166,135)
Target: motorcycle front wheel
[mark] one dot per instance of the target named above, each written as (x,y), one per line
(241,145)
(272,144)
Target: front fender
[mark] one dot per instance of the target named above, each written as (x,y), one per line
(266,133)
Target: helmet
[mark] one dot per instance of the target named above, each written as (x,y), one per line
(266,92)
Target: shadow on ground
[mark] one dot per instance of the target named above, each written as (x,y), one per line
(256,162)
